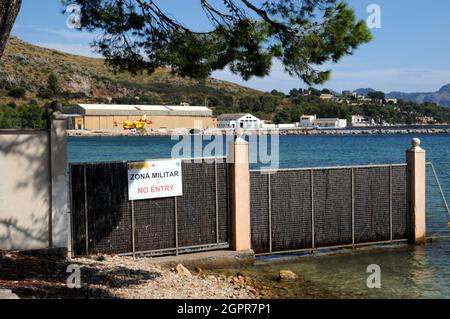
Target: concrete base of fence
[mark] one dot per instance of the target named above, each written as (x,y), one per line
(220,259)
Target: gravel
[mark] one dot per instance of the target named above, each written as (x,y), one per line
(114,277)
(155,282)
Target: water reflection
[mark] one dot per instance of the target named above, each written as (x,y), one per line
(406,272)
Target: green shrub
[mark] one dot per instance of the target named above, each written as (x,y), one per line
(45,93)
(17,92)
(31,116)
(9,117)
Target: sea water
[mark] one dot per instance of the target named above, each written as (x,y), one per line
(406,272)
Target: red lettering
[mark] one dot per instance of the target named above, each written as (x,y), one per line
(143,190)
(159,189)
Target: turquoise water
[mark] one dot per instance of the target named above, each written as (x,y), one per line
(407,272)
(295,151)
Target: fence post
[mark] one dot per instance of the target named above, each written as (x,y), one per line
(415,159)
(60,237)
(240,193)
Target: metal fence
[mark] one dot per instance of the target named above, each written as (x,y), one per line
(296,209)
(104,220)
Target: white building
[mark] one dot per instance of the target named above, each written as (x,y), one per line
(288,126)
(392,101)
(268,124)
(330,123)
(312,121)
(349,94)
(242,120)
(361,120)
(326,96)
(363,98)
(307,120)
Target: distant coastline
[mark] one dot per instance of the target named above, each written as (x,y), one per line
(432,129)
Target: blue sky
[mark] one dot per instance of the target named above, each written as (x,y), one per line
(410,52)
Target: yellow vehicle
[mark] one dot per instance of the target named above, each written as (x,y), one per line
(142,124)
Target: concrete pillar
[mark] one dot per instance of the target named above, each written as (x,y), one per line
(59,231)
(240,194)
(416,161)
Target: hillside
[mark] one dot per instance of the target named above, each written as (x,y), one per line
(32,76)
(441,97)
(87,79)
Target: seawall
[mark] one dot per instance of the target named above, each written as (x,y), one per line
(273,132)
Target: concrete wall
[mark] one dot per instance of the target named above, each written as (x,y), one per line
(24,190)
(60,221)
(158,122)
(34,188)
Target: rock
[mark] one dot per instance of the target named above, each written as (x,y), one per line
(99,257)
(237,280)
(199,271)
(7,294)
(183,271)
(252,290)
(287,275)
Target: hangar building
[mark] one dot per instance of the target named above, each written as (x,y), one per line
(103,116)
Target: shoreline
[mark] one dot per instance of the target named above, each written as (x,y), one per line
(377,131)
(112,277)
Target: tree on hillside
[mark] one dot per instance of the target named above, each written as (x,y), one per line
(294,93)
(52,89)
(245,35)
(53,84)
(315,91)
(9,9)
(376,95)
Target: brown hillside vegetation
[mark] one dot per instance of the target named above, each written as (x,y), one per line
(90,80)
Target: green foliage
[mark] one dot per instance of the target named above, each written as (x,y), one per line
(45,93)
(30,116)
(402,113)
(53,84)
(294,93)
(17,92)
(9,117)
(52,89)
(376,95)
(315,92)
(284,116)
(246,37)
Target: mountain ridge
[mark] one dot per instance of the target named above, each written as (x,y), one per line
(440,97)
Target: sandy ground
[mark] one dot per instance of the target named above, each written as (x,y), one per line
(115,277)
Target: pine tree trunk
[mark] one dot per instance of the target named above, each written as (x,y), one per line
(9,9)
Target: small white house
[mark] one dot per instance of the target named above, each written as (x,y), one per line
(361,120)
(307,120)
(330,123)
(326,96)
(241,120)
(268,124)
(311,121)
(392,101)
